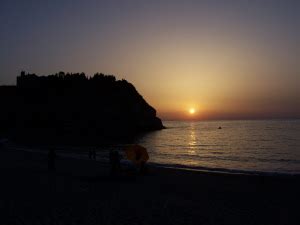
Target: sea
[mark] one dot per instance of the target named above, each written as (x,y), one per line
(270,147)
(235,146)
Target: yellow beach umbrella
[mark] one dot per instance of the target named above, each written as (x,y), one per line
(137,154)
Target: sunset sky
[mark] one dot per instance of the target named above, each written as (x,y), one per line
(225,59)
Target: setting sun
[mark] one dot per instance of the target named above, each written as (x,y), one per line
(192,111)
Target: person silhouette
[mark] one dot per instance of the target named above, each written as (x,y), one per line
(94,154)
(114,159)
(51,160)
(112,162)
(118,161)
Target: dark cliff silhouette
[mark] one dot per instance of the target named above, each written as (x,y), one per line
(73,108)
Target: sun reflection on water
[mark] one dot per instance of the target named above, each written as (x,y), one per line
(192,142)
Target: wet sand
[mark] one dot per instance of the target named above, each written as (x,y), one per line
(82,192)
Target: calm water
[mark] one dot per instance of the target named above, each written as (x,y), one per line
(270,146)
(259,146)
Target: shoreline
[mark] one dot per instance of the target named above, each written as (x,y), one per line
(67,152)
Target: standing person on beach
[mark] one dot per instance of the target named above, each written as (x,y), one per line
(51,160)
(90,154)
(94,155)
(112,162)
(142,165)
(114,159)
(118,161)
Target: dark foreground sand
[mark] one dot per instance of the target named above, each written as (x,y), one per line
(81,192)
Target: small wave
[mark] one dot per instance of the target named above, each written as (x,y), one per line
(219,156)
(217,153)
(186,146)
(289,160)
(227,171)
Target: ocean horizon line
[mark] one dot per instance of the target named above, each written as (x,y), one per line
(246,119)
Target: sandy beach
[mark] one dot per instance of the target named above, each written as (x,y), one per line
(82,192)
